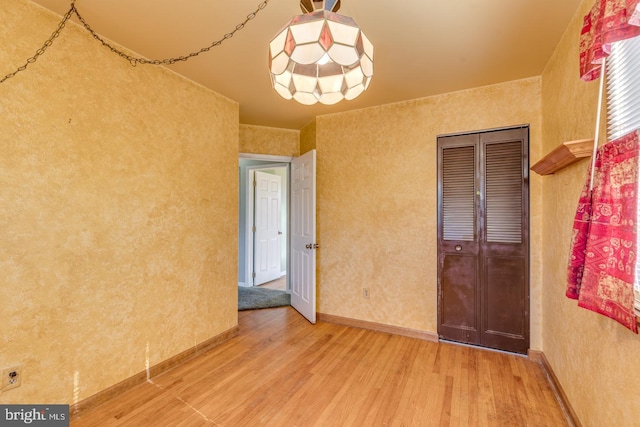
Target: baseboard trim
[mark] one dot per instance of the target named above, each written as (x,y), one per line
(378,327)
(540,358)
(127,384)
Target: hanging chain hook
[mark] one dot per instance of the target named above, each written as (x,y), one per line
(132,59)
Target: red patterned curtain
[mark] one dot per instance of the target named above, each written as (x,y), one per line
(602,266)
(608,22)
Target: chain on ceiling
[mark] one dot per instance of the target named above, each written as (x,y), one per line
(132,59)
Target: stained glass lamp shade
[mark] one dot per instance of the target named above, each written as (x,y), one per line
(320,56)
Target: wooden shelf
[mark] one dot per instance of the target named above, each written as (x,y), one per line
(565,154)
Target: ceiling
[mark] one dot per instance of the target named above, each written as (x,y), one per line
(422,47)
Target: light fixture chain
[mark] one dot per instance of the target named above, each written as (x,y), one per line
(133,60)
(168,61)
(45,45)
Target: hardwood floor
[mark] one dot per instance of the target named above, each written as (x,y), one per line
(283,371)
(278,284)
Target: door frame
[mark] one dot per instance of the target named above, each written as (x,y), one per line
(277,162)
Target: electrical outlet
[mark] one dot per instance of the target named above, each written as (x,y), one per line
(365,293)
(11,377)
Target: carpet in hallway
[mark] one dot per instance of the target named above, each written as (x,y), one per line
(251,298)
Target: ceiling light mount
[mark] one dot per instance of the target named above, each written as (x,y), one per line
(320,56)
(309,6)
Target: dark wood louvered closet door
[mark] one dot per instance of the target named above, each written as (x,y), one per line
(483,250)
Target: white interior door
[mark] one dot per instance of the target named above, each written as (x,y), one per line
(303,235)
(268,199)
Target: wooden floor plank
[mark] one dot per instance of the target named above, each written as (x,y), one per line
(283,371)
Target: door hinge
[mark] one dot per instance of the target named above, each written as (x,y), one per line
(253,274)
(255,184)
(253,229)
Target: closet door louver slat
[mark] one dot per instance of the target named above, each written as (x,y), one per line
(458,189)
(504,192)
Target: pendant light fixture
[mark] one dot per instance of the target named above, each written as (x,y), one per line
(320,56)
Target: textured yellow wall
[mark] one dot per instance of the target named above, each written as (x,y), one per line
(266,140)
(595,359)
(377,201)
(308,137)
(118,212)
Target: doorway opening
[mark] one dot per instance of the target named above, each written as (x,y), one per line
(301,244)
(263,221)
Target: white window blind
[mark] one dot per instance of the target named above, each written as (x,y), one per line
(623,88)
(623,105)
